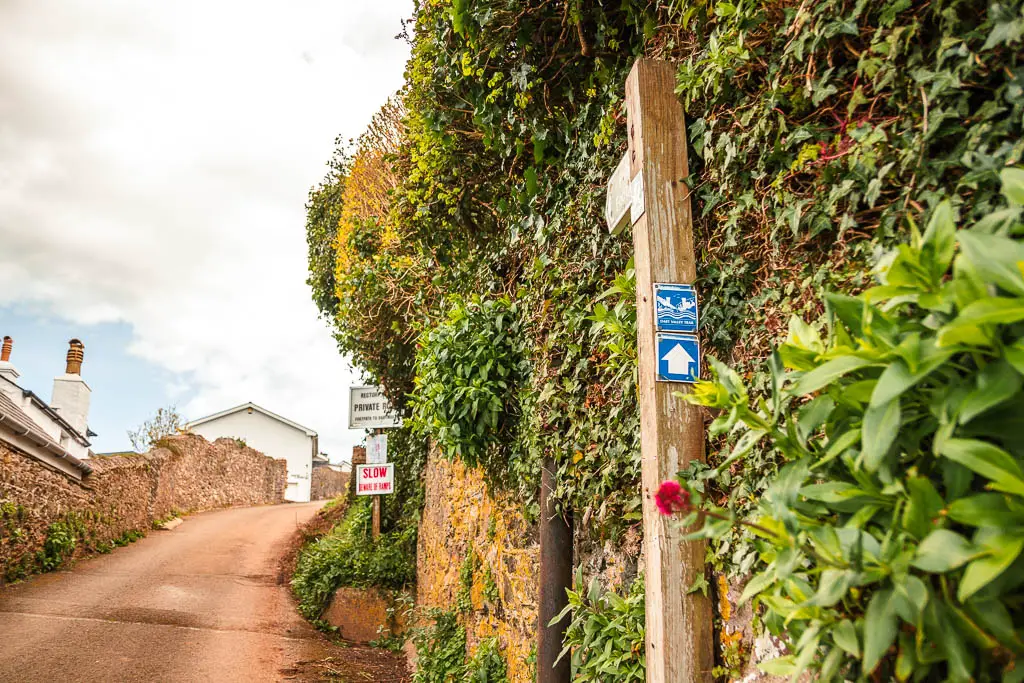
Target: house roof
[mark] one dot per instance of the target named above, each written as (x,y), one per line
(247,406)
(13,418)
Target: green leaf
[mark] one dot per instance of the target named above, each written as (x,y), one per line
(1013,185)
(996,383)
(939,240)
(879,628)
(1002,549)
(828,373)
(984,509)
(995,259)
(881,426)
(923,507)
(942,551)
(780,666)
(845,636)
(989,461)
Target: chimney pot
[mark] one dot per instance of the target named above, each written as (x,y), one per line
(5,352)
(76,353)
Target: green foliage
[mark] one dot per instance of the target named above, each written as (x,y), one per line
(464,597)
(441,654)
(61,541)
(469,369)
(323,212)
(440,650)
(605,635)
(166,422)
(890,540)
(349,556)
(487,664)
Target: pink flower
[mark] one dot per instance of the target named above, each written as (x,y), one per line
(672,498)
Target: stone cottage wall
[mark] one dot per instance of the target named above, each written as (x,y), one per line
(460,518)
(124,494)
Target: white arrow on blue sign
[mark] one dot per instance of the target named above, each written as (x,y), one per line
(678,357)
(675,308)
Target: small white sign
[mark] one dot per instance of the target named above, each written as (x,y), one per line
(368,409)
(636,205)
(617,201)
(375,480)
(376,449)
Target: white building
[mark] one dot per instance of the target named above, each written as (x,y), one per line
(55,433)
(270,434)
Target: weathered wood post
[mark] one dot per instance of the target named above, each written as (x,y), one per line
(376,502)
(555,578)
(680,644)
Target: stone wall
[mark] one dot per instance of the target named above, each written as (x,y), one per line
(124,494)
(327,483)
(459,519)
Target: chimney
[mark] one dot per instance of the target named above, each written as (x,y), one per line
(70,392)
(7,370)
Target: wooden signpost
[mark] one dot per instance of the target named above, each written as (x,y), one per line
(680,644)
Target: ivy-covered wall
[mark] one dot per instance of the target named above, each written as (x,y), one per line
(472,209)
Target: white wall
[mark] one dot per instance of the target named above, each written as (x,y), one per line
(272,438)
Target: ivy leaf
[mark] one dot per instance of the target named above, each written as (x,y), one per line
(1002,549)
(881,425)
(879,628)
(942,551)
(989,461)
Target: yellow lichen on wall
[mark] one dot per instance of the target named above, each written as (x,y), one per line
(458,517)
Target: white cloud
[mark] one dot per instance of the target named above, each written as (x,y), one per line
(154,163)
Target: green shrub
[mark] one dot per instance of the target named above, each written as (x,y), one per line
(349,556)
(440,650)
(469,369)
(487,664)
(891,538)
(605,635)
(60,543)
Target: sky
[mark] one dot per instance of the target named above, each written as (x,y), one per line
(155,159)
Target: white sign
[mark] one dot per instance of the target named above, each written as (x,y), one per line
(376,449)
(636,203)
(375,480)
(617,201)
(368,409)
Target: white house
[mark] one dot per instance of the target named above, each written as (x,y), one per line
(55,433)
(270,434)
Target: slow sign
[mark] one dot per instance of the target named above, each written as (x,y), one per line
(375,480)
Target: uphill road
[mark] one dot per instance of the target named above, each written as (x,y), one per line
(205,602)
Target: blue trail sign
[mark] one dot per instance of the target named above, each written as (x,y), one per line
(675,308)
(678,357)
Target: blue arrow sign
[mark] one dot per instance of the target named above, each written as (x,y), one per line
(678,357)
(675,308)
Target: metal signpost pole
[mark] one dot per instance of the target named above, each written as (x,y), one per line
(679,629)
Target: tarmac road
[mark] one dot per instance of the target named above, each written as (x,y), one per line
(201,603)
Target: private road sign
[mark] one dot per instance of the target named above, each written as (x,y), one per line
(368,409)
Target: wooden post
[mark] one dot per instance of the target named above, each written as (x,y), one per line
(555,578)
(680,647)
(376,502)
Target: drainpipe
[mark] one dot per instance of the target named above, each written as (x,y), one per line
(555,578)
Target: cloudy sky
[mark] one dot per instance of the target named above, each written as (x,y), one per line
(154,162)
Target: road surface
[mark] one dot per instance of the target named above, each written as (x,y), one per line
(204,602)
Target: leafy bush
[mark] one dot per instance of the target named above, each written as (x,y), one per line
(349,556)
(440,650)
(441,654)
(891,538)
(60,543)
(468,373)
(606,633)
